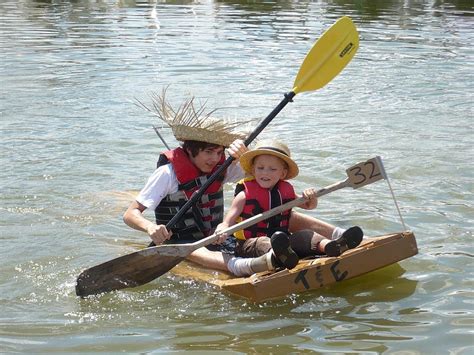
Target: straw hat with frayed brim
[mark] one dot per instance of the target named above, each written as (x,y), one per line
(270,147)
(189,123)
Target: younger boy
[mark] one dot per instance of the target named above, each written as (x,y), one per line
(270,165)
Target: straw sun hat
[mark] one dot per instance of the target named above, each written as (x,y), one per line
(270,147)
(189,123)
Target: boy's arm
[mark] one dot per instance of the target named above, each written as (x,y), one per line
(235,210)
(230,218)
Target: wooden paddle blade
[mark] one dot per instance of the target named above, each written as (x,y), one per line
(129,270)
(329,55)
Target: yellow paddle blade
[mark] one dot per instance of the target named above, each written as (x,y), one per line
(329,55)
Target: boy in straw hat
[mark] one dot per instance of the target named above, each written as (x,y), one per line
(270,165)
(182,170)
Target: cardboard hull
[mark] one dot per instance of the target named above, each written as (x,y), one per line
(373,253)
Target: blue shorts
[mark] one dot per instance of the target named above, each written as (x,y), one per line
(228,247)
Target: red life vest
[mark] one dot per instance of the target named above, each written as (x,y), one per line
(200,220)
(258,200)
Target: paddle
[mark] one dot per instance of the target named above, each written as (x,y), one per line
(328,56)
(143,266)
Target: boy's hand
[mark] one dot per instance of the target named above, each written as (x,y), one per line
(236,149)
(158,233)
(222,236)
(311,199)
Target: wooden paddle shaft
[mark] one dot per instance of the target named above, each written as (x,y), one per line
(260,217)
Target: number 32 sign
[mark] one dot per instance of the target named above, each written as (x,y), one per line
(366,172)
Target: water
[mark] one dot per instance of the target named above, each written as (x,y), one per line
(73,144)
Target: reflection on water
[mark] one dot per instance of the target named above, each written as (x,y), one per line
(75,148)
(385,285)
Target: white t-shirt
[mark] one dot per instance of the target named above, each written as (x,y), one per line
(163,182)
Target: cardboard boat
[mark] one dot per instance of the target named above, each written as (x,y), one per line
(310,274)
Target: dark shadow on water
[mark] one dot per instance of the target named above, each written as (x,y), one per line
(370,9)
(263,6)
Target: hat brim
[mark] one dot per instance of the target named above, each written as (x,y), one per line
(185,133)
(246,161)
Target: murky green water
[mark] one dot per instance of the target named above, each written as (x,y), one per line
(72,141)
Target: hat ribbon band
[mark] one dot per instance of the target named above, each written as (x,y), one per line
(276,150)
